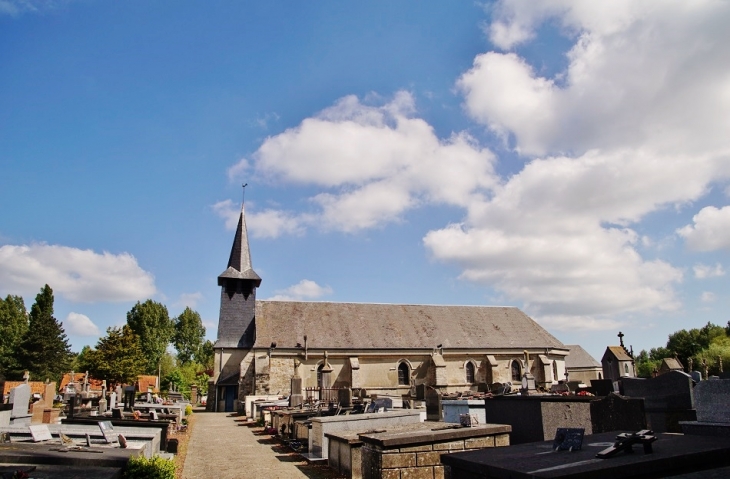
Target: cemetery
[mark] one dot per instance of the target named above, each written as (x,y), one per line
(82,430)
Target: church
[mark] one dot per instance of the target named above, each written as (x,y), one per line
(386,349)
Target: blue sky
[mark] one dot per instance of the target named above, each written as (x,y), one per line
(569,158)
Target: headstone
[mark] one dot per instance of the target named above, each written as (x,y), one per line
(380,403)
(102,405)
(129,394)
(112,400)
(49,393)
(668,399)
(696,376)
(617,413)
(107,430)
(117,413)
(19,398)
(154,416)
(602,387)
(433,405)
(713,401)
(120,393)
(344,397)
(40,432)
(296,399)
(71,406)
(672,390)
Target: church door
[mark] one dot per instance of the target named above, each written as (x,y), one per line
(230,397)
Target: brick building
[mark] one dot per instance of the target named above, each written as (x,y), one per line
(383,348)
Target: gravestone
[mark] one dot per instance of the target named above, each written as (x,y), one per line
(102,405)
(713,401)
(107,430)
(696,376)
(129,394)
(602,387)
(112,400)
(20,398)
(297,398)
(433,405)
(344,397)
(668,399)
(712,398)
(117,413)
(40,432)
(377,404)
(617,413)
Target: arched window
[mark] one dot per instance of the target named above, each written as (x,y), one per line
(516,371)
(470,372)
(626,368)
(404,374)
(555,370)
(319,375)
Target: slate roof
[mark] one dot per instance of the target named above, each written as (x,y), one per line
(239,262)
(579,358)
(619,353)
(396,326)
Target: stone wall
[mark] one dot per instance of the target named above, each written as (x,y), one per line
(420,461)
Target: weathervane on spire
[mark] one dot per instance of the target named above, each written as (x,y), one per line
(244,192)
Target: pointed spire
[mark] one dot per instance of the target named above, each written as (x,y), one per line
(239,263)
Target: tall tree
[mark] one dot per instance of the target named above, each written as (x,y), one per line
(151,322)
(13,325)
(205,355)
(189,335)
(118,357)
(44,349)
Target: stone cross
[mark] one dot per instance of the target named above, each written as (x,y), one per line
(621,338)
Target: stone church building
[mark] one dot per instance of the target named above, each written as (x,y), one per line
(387,349)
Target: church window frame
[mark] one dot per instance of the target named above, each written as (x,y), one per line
(516,370)
(470,372)
(404,373)
(555,370)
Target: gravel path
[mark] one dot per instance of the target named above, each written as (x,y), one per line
(221,446)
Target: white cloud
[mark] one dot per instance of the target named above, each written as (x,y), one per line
(80,325)
(581,323)
(238,170)
(708,297)
(17,7)
(641,74)
(269,223)
(76,274)
(703,271)
(303,290)
(374,162)
(710,231)
(190,300)
(637,123)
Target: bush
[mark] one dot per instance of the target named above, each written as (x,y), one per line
(155,467)
(188,410)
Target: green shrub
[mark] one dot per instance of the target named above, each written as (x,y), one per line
(188,410)
(155,467)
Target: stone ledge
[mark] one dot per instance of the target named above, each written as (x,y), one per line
(428,434)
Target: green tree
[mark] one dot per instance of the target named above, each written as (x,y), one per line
(44,350)
(118,357)
(13,326)
(206,355)
(189,335)
(151,322)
